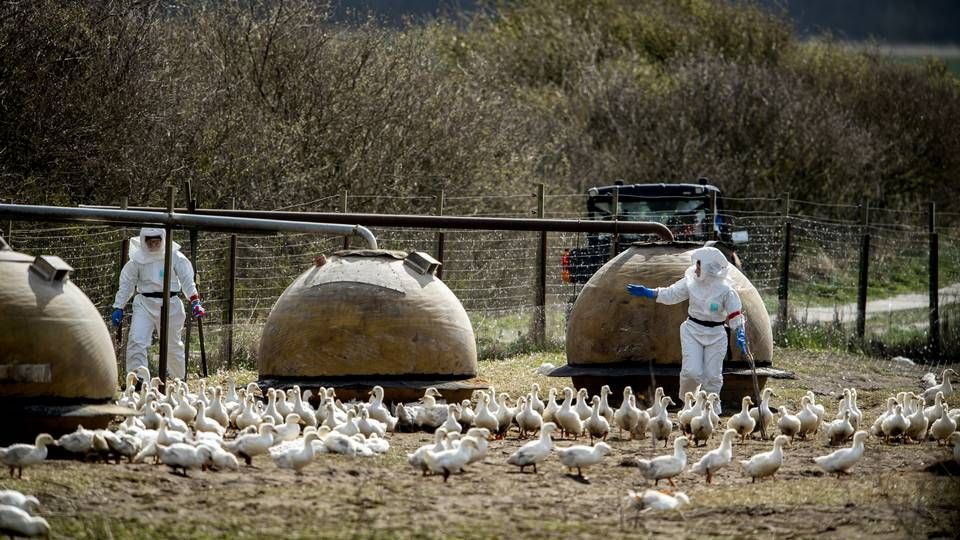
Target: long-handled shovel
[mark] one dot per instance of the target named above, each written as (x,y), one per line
(756,386)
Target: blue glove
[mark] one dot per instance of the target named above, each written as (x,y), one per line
(640,290)
(117,317)
(742,340)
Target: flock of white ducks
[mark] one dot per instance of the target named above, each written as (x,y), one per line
(215,428)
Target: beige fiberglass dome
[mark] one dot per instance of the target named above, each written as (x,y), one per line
(608,325)
(368,314)
(56,355)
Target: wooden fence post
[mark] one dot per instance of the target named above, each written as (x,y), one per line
(440,236)
(540,302)
(615,239)
(934,334)
(232,294)
(864,274)
(8,230)
(783,314)
(124,254)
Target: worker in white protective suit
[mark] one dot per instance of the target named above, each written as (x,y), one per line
(144,273)
(713,303)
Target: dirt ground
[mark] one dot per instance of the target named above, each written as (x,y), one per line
(888,494)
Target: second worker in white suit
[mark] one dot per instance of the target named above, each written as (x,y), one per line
(713,303)
(143,274)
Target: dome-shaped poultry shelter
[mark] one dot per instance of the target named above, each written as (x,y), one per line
(614,338)
(370,317)
(57,366)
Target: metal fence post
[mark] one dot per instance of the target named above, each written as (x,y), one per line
(8,230)
(165,305)
(440,236)
(540,302)
(232,294)
(124,254)
(193,262)
(615,238)
(934,334)
(343,208)
(783,314)
(863,277)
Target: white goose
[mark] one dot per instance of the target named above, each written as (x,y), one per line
(581,456)
(840,461)
(16,522)
(202,423)
(378,411)
(917,429)
(551,407)
(685,417)
(467,414)
(665,467)
(895,425)
(451,424)
(505,414)
(818,409)
(717,458)
(368,426)
(172,421)
(840,430)
(534,451)
(480,436)
(301,406)
(809,419)
(296,459)
(18,456)
(429,414)
(596,425)
(934,411)
(184,410)
(535,398)
(418,459)
(290,429)
(582,403)
(654,408)
(766,464)
(250,445)
(484,418)
(742,422)
(701,427)
(942,429)
(605,410)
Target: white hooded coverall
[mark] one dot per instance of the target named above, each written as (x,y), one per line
(712,299)
(144,272)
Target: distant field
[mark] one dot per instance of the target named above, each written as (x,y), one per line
(917,53)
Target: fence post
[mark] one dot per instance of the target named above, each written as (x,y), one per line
(8,230)
(863,278)
(783,315)
(193,262)
(440,236)
(232,294)
(934,334)
(540,302)
(124,254)
(343,208)
(165,304)
(714,233)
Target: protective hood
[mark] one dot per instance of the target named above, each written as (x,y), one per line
(713,272)
(138,250)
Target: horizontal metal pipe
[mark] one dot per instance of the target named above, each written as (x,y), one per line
(176,219)
(448,222)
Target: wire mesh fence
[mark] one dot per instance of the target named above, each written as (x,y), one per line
(494,273)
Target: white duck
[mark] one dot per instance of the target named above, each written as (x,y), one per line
(855,414)
(551,407)
(596,425)
(665,467)
(840,461)
(18,456)
(296,459)
(684,418)
(582,404)
(895,425)
(429,414)
(809,420)
(202,423)
(917,429)
(378,411)
(643,421)
(248,416)
(185,456)
(934,411)
(701,427)
(122,444)
(943,428)
(717,458)
(529,419)
(81,441)
(250,445)
(12,497)
(451,424)
(368,426)
(535,398)
(349,428)
(605,410)
(505,414)
(945,387)
(172,421)
(766,464)
(660,427)
(302,407)
(418,459)
(742,422)
(16,522)
(289,430)
(788,424)
(480,435)
(184,410)
(534,451)
(762,415)
(484,418)
(818,409)
(628,414)
(654,408)
(653,500)
(840,430)
(466,414)
(453,460)
(567,418)
(581,456)
(220,459)
(218,410)
(877,428)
